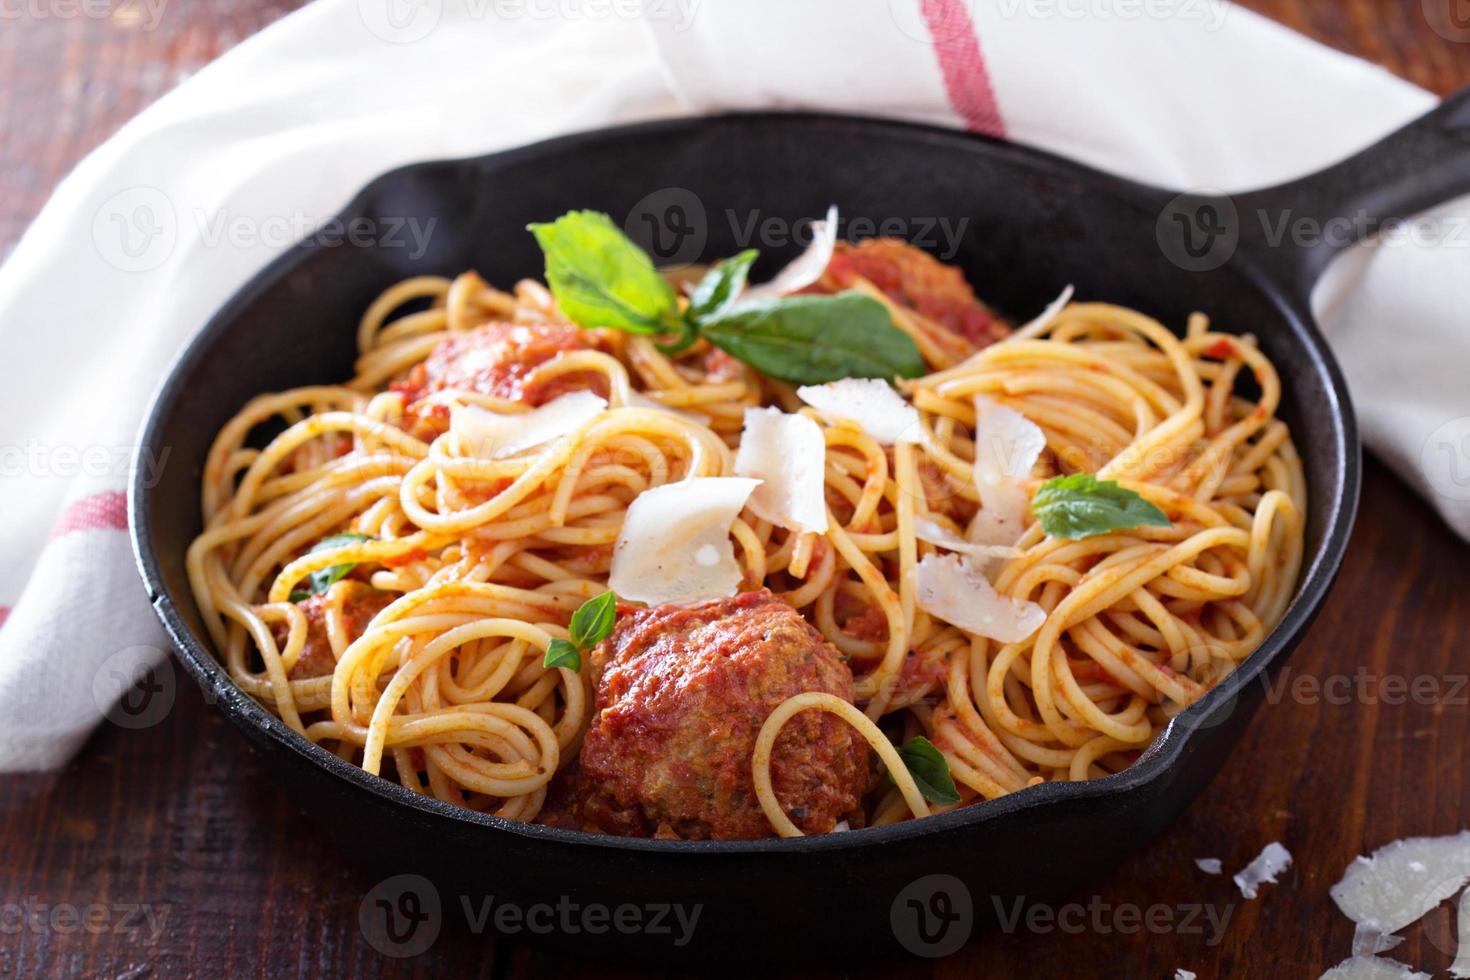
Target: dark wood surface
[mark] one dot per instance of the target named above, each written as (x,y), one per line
(179,821)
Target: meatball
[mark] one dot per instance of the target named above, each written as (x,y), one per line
(682,693)
(359,608)
(496,359)
(913,278)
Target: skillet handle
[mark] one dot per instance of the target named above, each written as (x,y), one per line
(1297,228)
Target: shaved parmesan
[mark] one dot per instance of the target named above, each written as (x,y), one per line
(871,404)
(637,399)
(950,588)
(1210,866)
(1007,446)
(1043,319)
(1461,966)
(1372,968)
(1401,881)
(1369,939)
(490,435)
(1002,522)
(1184,974)
(1031,328)
(806,268)
(932,533)
(675,543)
(1272,860)
(788,454)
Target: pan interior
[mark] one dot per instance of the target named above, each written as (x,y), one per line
(1020,224)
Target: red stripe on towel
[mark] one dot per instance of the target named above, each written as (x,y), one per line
(105,511)
(966,80)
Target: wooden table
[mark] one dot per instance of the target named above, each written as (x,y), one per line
(179,820)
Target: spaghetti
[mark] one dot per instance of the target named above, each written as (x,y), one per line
(391,594)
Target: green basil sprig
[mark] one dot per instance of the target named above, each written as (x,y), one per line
(591,624)
(815,339)
(930,771)
(601,279)
(1081,505)
(721,286)
(323,579)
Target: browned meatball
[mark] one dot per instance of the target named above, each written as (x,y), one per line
(682,693)
(912,277)
(495,359)
(358,609)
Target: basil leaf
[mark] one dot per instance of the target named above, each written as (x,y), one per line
(816,339)
(1081,505)
(930,771)
(593,621)
(299,595)
(688,334)
(323,578)
(561,653)
(601,279)
(720,286)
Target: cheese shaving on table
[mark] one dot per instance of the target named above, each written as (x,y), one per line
(1272,861)
(806,268)
(1007,446)
(1210,866)
(1461,967)
(788,454)
(950,588)
(675,542)
(1369,939)
(1182,974)
(492,435)
(1372,968)
(868,403)
(1401,881)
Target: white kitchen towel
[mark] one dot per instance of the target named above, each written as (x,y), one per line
(160,225)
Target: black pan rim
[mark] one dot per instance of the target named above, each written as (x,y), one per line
(1156,762)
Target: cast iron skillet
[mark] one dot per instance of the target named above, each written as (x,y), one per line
(1034,222)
